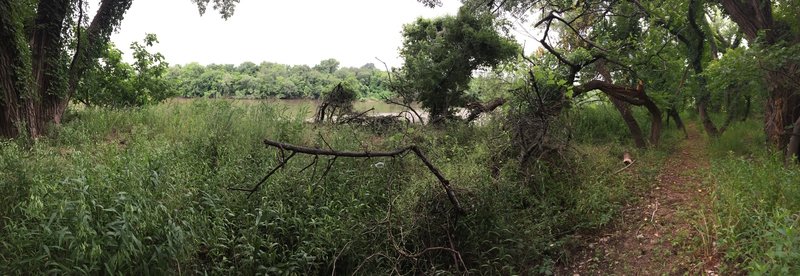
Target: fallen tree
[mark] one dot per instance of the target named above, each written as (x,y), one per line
(316,152)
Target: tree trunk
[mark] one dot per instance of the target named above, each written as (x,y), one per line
(36,80)
(678,121)
(49,64)
(747,102)
(782,108)
(793,150)
(14,69)
(627,116)
(703,98)
(695,45)
(635,96)
(624,109)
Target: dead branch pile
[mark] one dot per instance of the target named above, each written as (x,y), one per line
(534,121)
(336,104)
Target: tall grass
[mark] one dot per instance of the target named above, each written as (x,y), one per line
(757,203)
(146,191)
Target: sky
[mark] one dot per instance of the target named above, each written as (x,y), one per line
(295,32)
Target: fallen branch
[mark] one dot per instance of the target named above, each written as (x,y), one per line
(623,168)
(478,108)
(356,116)
(316,152)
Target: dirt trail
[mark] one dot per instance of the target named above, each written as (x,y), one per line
(667,232)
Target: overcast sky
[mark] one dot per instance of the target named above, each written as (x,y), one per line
(287,31)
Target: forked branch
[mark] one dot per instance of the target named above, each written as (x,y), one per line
(316,152)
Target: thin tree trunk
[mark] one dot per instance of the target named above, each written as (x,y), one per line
(108,17)
(630,95)
(633,126)
(678,121)
(793,149)
(747,102)
(695,45)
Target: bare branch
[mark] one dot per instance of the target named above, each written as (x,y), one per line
(352,154)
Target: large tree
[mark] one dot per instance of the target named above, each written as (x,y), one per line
(440,55)
(45,49)
(774,28)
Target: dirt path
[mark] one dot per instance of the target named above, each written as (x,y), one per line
(667,232)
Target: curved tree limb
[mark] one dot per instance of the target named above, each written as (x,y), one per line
(294,149)
(634,96)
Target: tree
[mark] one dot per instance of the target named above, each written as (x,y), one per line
(37,74)
(113,83)
(440,55)
(774,28)
(328,66)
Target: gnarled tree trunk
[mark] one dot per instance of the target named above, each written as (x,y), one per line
(35,73)
(782,108)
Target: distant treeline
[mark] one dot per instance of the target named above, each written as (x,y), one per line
(269,80)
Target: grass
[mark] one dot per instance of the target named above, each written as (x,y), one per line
(146,191)
(757,203)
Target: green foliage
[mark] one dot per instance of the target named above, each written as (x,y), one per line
(441,54)
(146,191)
(735,77)
(272,80)
(757,202)
(111,82)
(225,7)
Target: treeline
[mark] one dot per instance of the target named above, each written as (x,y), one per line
(273,80)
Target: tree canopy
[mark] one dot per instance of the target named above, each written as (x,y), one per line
(441,54)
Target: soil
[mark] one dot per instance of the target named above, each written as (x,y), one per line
(668,231)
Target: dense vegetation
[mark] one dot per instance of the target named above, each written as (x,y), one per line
(126,182)
(147,190)
(272,80)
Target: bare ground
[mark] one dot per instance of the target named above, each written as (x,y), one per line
(668,231)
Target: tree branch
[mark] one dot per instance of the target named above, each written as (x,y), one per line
(353,154)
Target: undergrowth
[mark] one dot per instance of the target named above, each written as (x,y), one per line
(147,191)
(757,203)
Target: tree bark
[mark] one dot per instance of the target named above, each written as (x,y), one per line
(671,112)
(48,63)
(478,108)
(36,80)
(633,126)
(14,70)
(695,45)
(630,95)
(624,110)
(783,104)
(793,150)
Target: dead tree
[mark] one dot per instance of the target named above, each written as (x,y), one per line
(334,154)
(336,104)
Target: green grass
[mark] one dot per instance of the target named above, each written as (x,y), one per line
(757,203)
(146,191)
